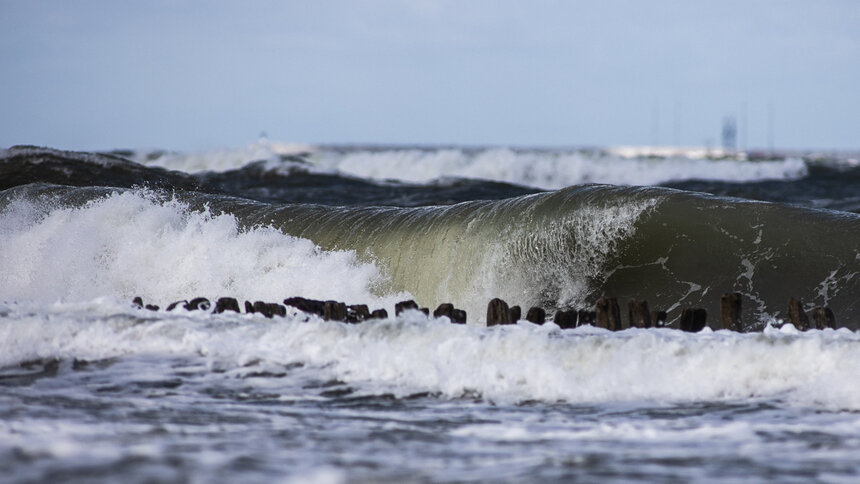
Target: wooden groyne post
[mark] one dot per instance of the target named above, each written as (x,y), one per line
(608,313)
(638,313)
(730,311)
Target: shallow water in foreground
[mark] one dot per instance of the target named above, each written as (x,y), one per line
(177,397)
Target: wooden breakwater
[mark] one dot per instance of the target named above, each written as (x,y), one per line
(606,312)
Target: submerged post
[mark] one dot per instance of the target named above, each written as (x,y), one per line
(334,311)
(823,317)
(516,314)
(498,312)
(796,315)
(565,319)
(403,306)
(226,304)
(638,314)
(586,317)
(444,309)
(536,315)
(694,320)
(658,318)
(458,316)
(730,311)
(608,313)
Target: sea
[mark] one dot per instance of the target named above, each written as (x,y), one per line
(97,387)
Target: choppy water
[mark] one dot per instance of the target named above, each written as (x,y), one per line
(95,389)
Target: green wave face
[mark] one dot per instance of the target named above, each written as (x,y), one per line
(569,247)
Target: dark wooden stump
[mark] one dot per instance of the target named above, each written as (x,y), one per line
(638,314)
(269,310)
(334,311)
(694,320)
(176,304)
(137,302)
(498,312)
(249,307)
(444,309)
(608,313)
(403,306)
(658,318)
(357,313)
(151,307)
(536,315)
(379,314)
(796,315)
(565,319)
(310,306)
(458,316)
(730,311)
(516,314)
(587,317)
(823,317)
(226,304)
(198,304)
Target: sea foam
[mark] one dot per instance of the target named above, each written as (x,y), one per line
(414,354)
(134,244)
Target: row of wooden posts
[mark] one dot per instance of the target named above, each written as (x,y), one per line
(606,312)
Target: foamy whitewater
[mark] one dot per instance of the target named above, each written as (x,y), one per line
(93,388)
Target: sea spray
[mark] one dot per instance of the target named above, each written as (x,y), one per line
(137,243)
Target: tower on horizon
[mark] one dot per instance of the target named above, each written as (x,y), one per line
(730,133)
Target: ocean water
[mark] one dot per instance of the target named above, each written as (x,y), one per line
(94,388)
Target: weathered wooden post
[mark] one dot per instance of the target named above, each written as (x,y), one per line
(536,315)
(269,309)
(176,304)
(458,316)
(226,304)
(823,317)
(730,311)
(586,317)
(357,313)
(379,314)
(334,311)
(444,309)
(638,314)
(608,313)
(694,320)
(796,315)
(658,318)
(403,306)
(565,319)
(311,306)
(198,303)
(498,312)
(516,314)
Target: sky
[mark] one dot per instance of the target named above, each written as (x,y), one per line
(189,75)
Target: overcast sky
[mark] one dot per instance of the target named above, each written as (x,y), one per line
(207,74)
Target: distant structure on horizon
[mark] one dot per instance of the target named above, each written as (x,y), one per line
(730,133)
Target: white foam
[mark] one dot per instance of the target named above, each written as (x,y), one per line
(410,354)
(129,244)
(550,169)
(225,159)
